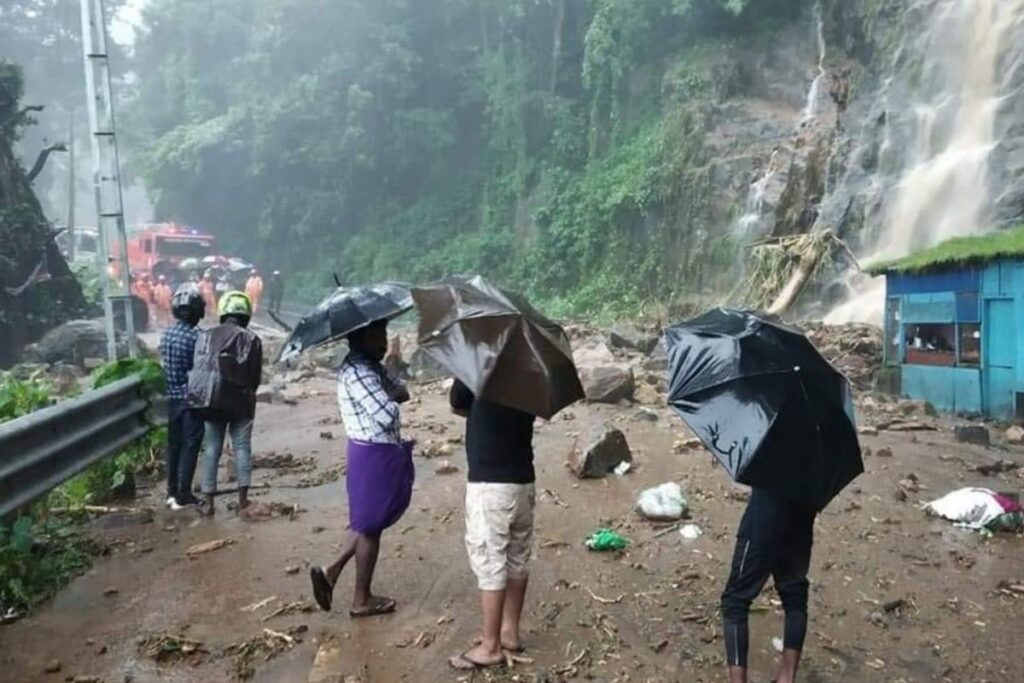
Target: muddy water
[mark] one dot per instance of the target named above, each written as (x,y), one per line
(646,615)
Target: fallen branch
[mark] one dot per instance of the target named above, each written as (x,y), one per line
(605,601)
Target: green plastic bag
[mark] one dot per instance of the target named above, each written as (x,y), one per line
(605,539)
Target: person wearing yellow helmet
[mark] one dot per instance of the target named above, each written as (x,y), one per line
(226,373)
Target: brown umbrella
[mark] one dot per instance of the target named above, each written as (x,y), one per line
(497,345)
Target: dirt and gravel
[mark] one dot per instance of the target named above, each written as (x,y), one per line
(896,596)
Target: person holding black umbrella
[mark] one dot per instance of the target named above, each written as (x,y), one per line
(511,365)
(779,418)
(379,474)
(500,499)
(774,538)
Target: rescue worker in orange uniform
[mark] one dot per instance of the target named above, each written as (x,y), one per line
(142,289)
(254,288)
(162,298)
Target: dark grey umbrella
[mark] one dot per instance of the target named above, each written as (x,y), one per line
(497,345)
(345,311)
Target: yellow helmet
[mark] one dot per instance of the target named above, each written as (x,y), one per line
(235,303)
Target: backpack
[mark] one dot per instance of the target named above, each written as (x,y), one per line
(226,371)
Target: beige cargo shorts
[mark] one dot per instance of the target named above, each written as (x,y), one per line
(499,532)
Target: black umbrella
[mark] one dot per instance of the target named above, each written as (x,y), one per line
(771,409)
(497,345)
(346,310)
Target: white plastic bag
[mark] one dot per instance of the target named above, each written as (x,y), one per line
(974,508)
(663,503)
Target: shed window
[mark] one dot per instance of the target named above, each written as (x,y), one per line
(970,344)
(931,344)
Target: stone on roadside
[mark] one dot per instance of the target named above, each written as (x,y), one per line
(663,503)
(868,430)
(645,394)
(53,666)
(629,336)
(884,452)
(292,570)
(973,434)
(423,367)
(607,383)
(604,454)
(445,467)
(267,395)
(918,408)
(1015,435)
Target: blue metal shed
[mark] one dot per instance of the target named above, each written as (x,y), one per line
(954,324)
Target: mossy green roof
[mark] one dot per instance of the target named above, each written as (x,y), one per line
(956,253)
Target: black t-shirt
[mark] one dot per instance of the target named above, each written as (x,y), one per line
(499,439)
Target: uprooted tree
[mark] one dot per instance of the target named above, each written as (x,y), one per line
(780,268)
(37,288)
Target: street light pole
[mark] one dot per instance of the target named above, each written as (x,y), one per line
(106,175)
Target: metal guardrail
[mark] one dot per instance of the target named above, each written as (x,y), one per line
(45,448)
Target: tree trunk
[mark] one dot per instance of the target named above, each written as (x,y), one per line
(28,306)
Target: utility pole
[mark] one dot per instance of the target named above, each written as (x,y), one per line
(71,186)
(106,176)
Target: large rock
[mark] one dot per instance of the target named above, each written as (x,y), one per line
(423,368)
(607,383)
(602,456)
(74,343)
(629,336)
(1015,435)
(973,434)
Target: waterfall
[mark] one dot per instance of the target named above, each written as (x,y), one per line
(943,188)
(811,108)
(749,223)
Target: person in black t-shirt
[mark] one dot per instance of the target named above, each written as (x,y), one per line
(500,499)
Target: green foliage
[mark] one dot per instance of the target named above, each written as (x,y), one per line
(18,398)
(958,252)
(390,139)
(113,477)
(149,369)
(90,277)
(37,557)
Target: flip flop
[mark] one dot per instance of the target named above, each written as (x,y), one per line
(464,663)
(514,650)
(382,606)
(322,589)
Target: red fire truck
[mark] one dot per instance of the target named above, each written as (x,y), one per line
(161,248)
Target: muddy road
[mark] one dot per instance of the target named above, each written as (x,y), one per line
(896,596)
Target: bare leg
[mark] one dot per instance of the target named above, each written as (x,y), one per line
(488,652)
(367,549)
(788,667)
(515,596)
(348,551)
(737,674)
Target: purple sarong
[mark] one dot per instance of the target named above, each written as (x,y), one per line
(379,482)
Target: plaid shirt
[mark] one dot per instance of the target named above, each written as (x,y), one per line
(177,347)
(367,409)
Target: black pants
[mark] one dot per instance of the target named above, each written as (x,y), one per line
(184,439)
(774,539)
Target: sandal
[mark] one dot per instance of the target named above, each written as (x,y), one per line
(464,663)
(323,591)
(380,606)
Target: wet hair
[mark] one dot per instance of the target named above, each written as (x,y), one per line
(357,338)
(238,319)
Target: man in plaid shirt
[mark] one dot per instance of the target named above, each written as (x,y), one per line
(379,473)
(184,426)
